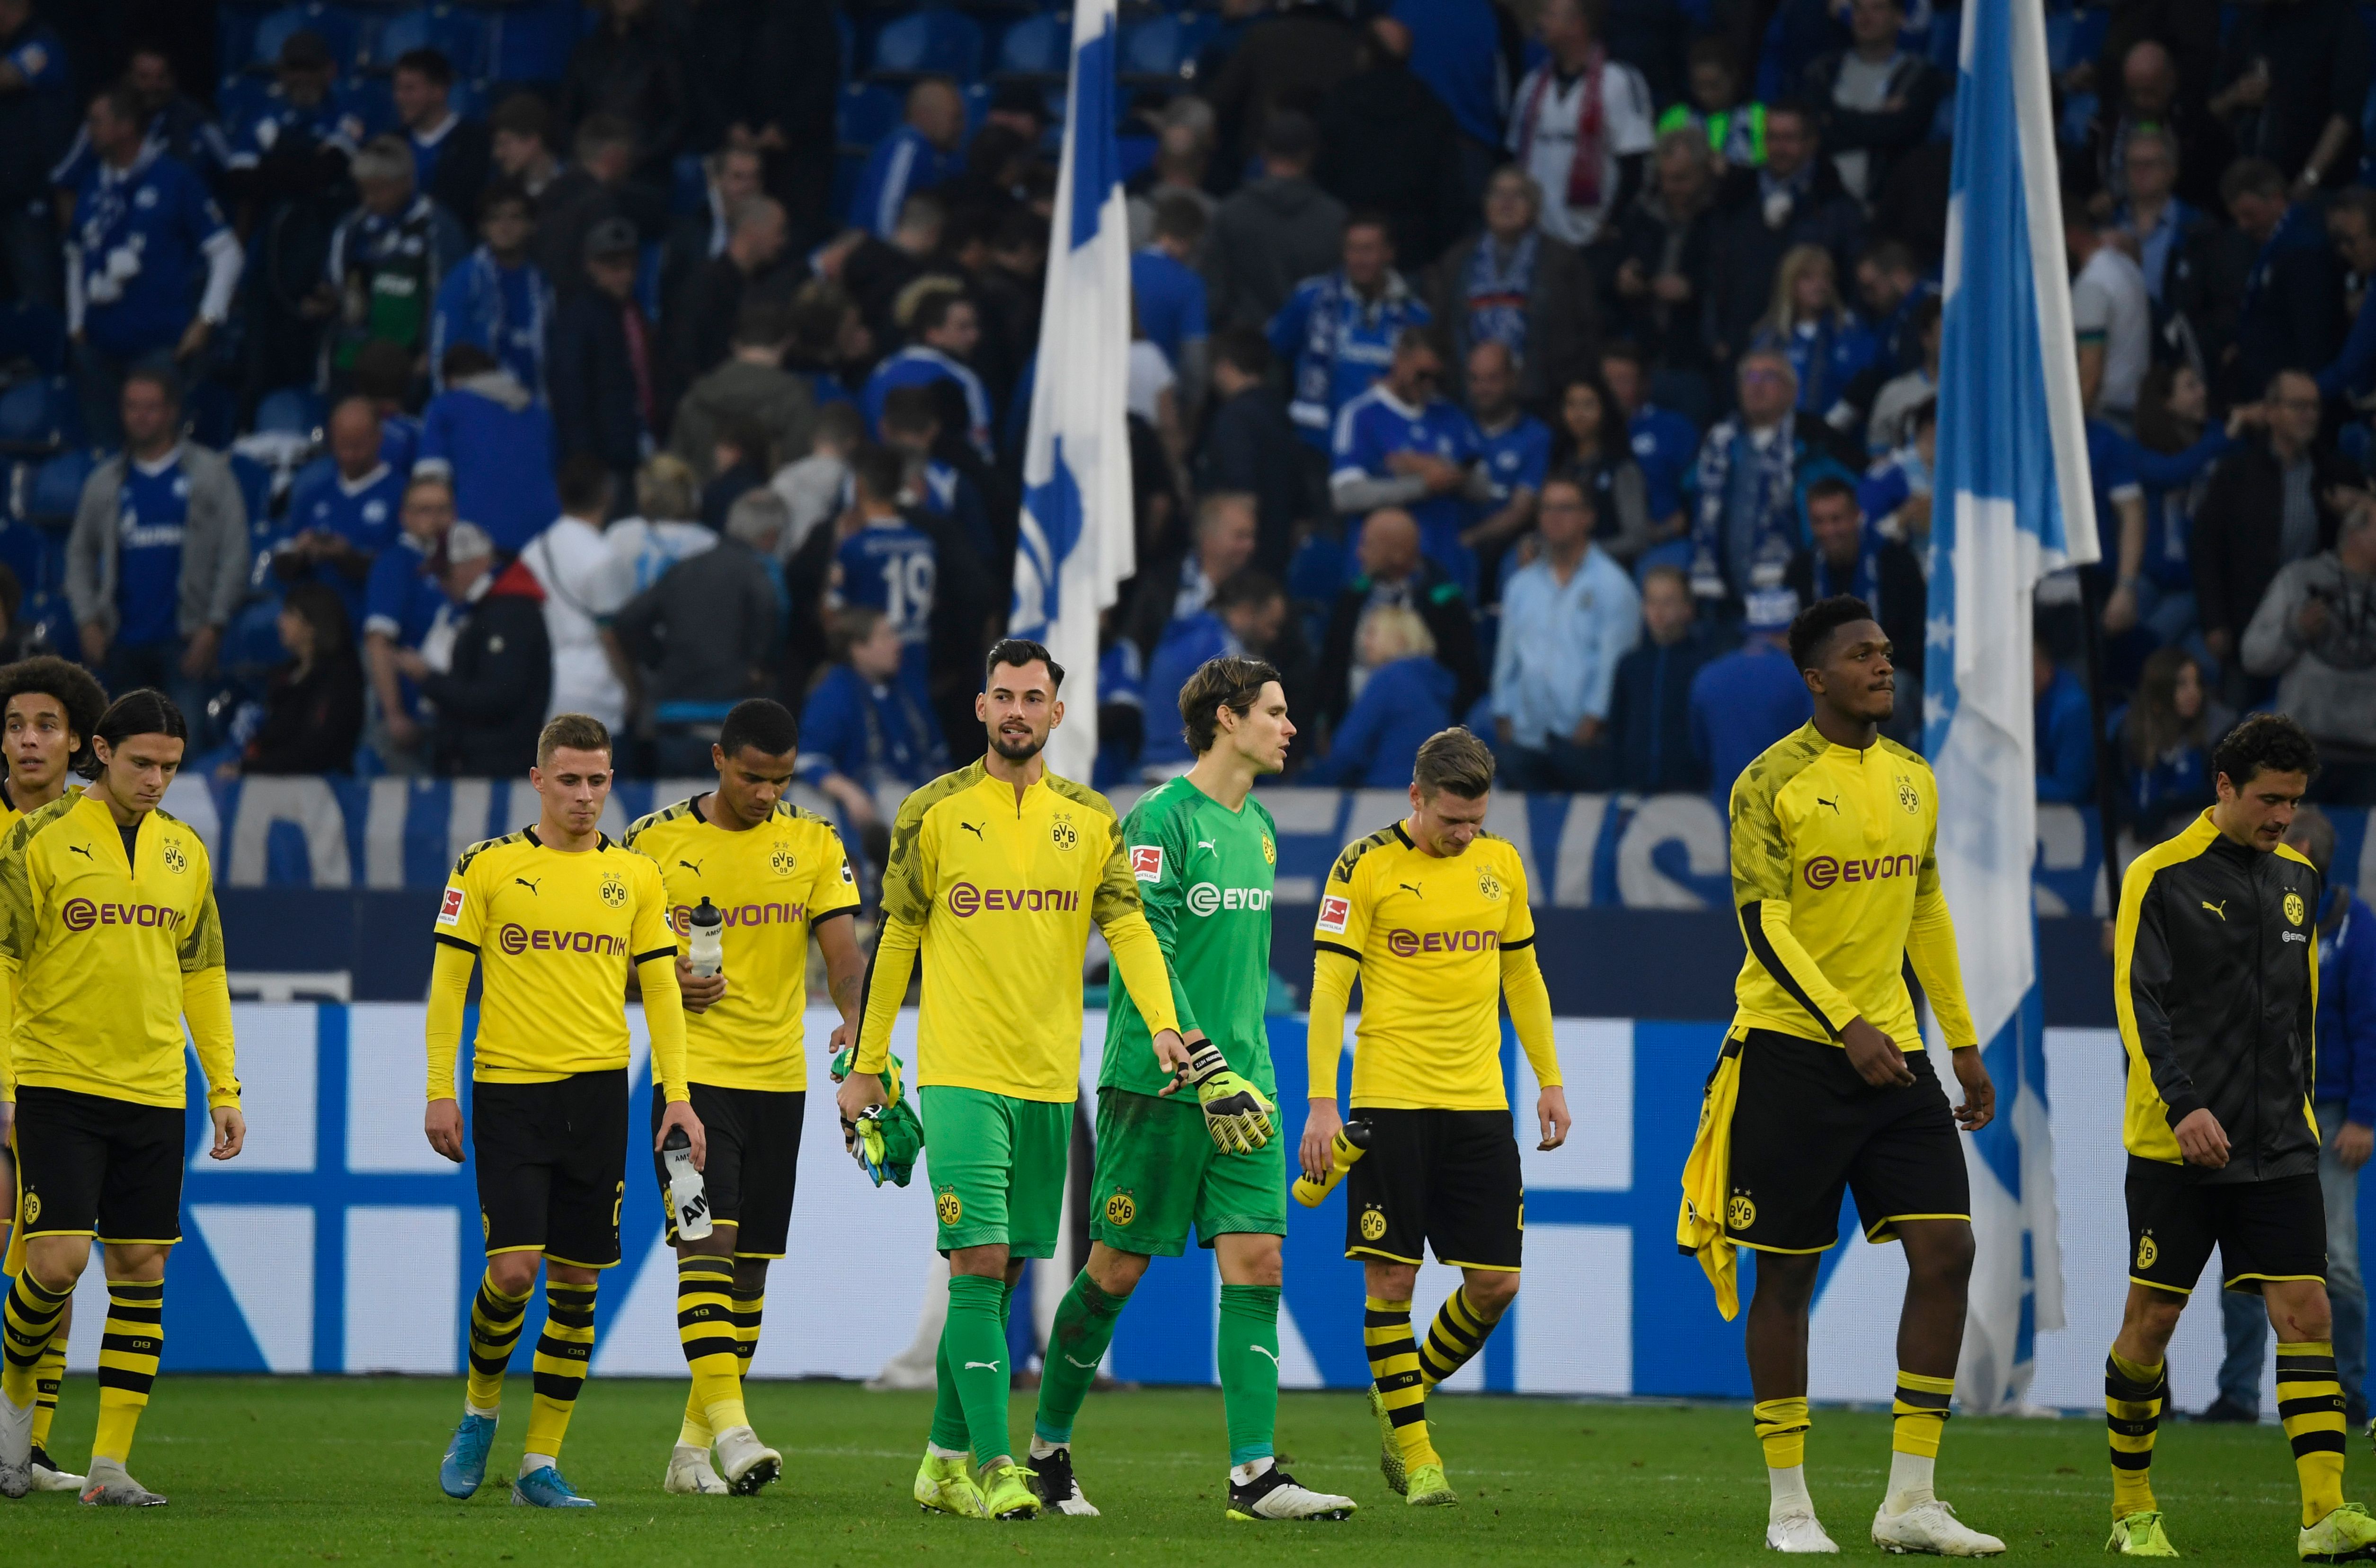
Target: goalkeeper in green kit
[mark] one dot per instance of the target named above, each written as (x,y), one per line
(1195,1143)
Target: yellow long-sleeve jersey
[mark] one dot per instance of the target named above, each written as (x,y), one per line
(1836,875)
(113,952)
(998,893)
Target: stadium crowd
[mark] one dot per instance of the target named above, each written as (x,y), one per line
(381,387)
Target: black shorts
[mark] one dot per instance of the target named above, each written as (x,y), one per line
(91,1166)
(754,1162)
(1806,1128)
(553,1166)
(2264,1229)
(1444,1178)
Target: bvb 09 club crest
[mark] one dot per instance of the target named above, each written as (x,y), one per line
(2294,908)
(614,889)
(781,860)
(950,1208)
(1373,1223)
(1740,1214)
(1120,1210)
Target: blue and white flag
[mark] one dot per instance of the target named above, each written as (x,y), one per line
(2012,504)
(1078,541)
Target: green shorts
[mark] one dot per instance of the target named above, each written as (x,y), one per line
(1158,1170)
(997,1167)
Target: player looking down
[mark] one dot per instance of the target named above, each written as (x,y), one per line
(1202,849)
(1430,915)
(996,873)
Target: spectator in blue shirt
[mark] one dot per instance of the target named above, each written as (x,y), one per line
(497,299)
(947,329)
(1247,615)
(37,119)
(1400,443)
(2066,733)
(1407,698)
(452,158)
(1664,443)
(1338,330)
(2351,225)
(918,156)
(145,233)
(911,427)
(1650,702)
(386,259)
(1828,347)
(1567,620)
(1751,697)
(2163,739)
(494,442)
(1457,49)
(404,608)
(1169,297)
(305,118)
(867,738)
(886,563)
(179,126)
(344,514)
(1513,451)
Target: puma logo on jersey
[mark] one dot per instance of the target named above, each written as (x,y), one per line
(524,881)
(1208,844)
(1409,887)
(84,852)
(2220,908)
(970,828)
(1834,804)
(692,866)
(985,1366)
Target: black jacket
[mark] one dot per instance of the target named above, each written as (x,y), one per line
(593,380)
(1904,596)
(1882,134)
(708,628)
(1388,142)
(465,163)
(2214,973)
(491,699)
(1744,251)
(2237,529)
(1440,603)
(1650,717)
(1250,447)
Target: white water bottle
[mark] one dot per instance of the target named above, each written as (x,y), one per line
(688,1201)
(705,938)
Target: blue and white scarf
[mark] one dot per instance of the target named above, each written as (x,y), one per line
(1747,525)
(1497,291)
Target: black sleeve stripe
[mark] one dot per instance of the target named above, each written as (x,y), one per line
(469,947)
(1335,947)
(1752,927)
(1523,941)
(668,952)
(816,920)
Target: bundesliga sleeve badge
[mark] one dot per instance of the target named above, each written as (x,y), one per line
(449,912)
(1146,861)
(1335,910)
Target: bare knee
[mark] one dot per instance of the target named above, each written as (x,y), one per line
(513,1274)
(2298,1311)
(1247,1258)
(750,1277)
(1786,1282)
(1490,1291)
(2148,1320)
(988,1261)
(56,1262)
(1390,1281)
(1115,1272)
(1939,1254)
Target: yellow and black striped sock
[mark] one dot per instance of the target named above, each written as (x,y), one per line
(704,1326)
(48,1377)
(564,1352)
(1920,1410)
(496,1321)
(28,1322)
(1781,1426)
(128,1362)
(747,1312)
(1459,1332)
(1394,1367)
(2309,1403)
(2133,1396)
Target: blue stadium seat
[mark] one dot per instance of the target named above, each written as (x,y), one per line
(930,43)
(866,115)
(35,413)
(1158,47)
(688,184)
(459,35)
(342,31)
(24,550)
(533,37)
(56,489)
(292,411)
(1036,46)
(374,100)
(254,481)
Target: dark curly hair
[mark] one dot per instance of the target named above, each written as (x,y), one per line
(1811,629)
(2265,742)
(76,689)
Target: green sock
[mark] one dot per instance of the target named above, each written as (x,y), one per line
(1077,1344)
(948,1416)
(974,1343)
(1249,1355)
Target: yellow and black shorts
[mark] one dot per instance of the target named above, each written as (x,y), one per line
(88,1165)
(2273,1229)
(552,1162)
(1807,1129)
(1449,1179)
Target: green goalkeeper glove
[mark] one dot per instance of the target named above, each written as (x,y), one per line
(1236,1114)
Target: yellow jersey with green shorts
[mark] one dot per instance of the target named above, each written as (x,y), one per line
(997,893)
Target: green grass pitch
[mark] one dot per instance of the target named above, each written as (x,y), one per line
(344,1471)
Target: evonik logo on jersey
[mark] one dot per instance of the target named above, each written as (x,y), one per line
(81,914)
(1823,871)
(1412,943)
(517,939)
(681,916)
(1205,899)
(965,900)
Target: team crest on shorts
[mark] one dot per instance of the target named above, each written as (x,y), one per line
(2147,1251)
(950,1208)
(486,1226)
(1906,795)
(2294,910)
(1120,1210)
(32,1208)
(1270,851)
(782,859)
(1740,1213)
(1373,1223)
(614,889)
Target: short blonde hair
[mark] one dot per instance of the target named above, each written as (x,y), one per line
(1400,627)
(577,731)
(665,490)
(1454,762)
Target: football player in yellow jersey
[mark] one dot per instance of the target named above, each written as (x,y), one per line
(110,919)
(776,874)
(558,917)
(1430,915)
(49,709)
(996,873)
(1836,875)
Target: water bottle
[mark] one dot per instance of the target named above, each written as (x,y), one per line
(706,939)
(1351,1142)
(687,1200)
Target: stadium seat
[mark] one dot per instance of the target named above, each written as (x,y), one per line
(341,30)
(374,100)
(235,23)
(35,414)
(867,113)
(35,333)
(688,184)
(532,39)
(254,481)
(292,411)
(24,550)
(459,35)
(929,43)
(56,490)
(1157,49)
(1036,46)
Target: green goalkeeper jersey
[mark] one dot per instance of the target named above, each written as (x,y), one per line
(1204,878)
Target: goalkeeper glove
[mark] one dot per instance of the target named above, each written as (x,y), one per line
(865,1139)
(1236,1114)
